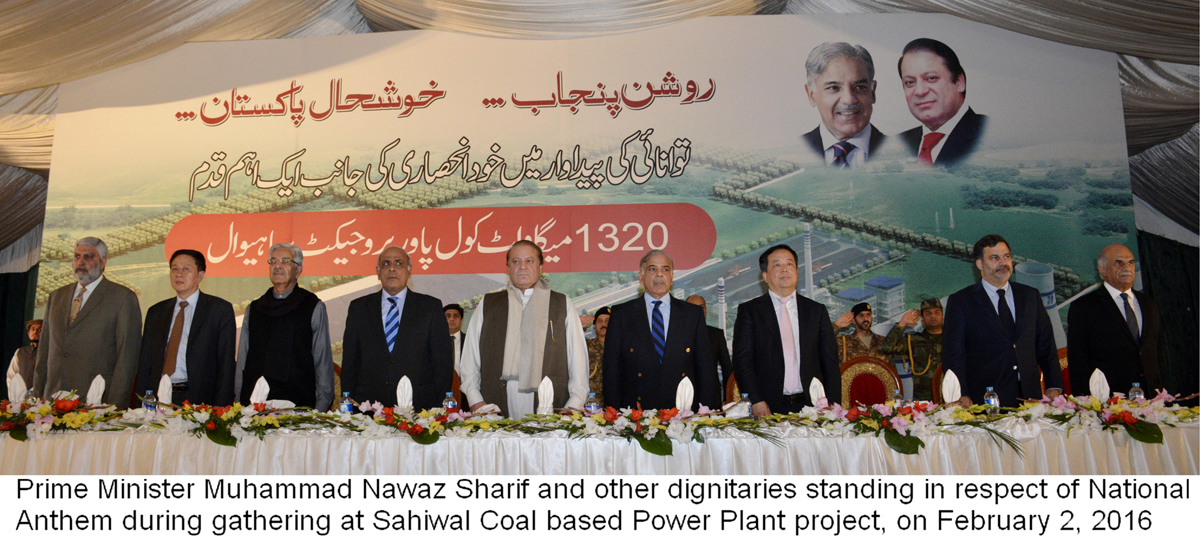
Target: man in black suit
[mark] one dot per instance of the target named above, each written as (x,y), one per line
(987,344)
(394,333)
(935,87)
(782,340)
(656,340)
(716,337)
(189,337)
(1115,329)
(841,86)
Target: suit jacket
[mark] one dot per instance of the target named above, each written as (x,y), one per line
(211,360)
(1099,338)
(959,143)
(104,340)
(813,138)
(720,348)
(758,352)
(423,351)
(976,348)
(632,372)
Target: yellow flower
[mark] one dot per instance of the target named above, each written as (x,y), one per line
(485,426)
(870,423)
(269,420)
(598,418)
(963,415)
(1094,404)
(44,410)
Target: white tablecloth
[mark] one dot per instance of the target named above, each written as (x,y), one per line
(1048,450)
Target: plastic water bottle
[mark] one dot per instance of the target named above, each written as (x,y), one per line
(745,404)
(449,404)
(897,398)
(29,396)
(992,401)
(1136,395)
(347,406)
(150,401)
(592,405)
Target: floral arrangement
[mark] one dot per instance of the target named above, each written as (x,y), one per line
(34,416)
(1140,418)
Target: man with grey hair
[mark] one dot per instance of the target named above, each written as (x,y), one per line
(654,342)
(92,327)
(285,338)
(841,86)
(395,333)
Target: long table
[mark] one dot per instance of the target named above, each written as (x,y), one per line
(1048,450)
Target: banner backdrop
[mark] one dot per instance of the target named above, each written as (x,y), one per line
(705,139)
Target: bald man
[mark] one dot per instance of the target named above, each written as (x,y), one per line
(1115,329)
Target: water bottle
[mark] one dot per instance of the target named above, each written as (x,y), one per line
(992,401)
(897,398)
(347,406)
(29,396)
(1136,395)
(449,404)
(150,401)
(745,404)
(592,405)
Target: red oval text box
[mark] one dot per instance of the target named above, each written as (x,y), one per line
(591,238)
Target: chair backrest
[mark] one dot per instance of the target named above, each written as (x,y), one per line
(938,375)
(867,380)
(1062,364)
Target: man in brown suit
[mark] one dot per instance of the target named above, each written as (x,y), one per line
(92,327)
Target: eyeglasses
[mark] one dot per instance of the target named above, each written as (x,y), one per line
(284,260)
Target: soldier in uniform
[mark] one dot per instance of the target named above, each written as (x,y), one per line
(863,342)
(25,358)
(922,350)
(595,348)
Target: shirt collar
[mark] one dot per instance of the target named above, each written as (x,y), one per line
(90,288)
(1116,293)
(782,299)
(991,290)
(191,299)
(947,127)
(399,295)
(861,140)
(650,299)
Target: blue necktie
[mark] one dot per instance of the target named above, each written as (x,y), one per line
(392,325)
(657,330)
(840,151)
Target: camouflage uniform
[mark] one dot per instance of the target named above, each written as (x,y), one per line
(850,347)
(924,351)
(596,368)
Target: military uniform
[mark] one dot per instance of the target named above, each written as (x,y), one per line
(923,351)
(850,347)
(596,368)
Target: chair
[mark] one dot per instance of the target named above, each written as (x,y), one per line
(1062,364)
(732,392)
(938,374)
(867,380)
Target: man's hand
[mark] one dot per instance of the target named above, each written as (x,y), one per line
(1053,393)
(844,320)
(965,401)
(476,406)
(909,318)
(760,410)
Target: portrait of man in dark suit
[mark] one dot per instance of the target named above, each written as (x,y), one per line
(935,87)
(1115,329)
(656,340)
(841,86)
(393,333)
(782,340)
(997,333)
(190,337)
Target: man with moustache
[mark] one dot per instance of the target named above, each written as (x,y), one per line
(190,338)
(863,342)
(841,86)
(782,341)
(935,87)
(923,350)
(595,348)
(285,338)
(998,334)
(654,342)
(520,335)
(92,327)
(25,358)
(395,333)
(720,348)
(1115,329)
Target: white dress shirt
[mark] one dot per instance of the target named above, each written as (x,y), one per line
(180,374)
(1133,302)
(946,129)
(789,302)
(88,290)
(857,156)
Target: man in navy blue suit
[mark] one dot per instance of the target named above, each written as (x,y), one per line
(935,87)
(656,340)
(998,334)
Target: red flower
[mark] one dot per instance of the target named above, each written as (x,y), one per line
(403,426)
(611,415)
(636,415)
(904,410)
(219,411)
(853,414)
(186,404)
(5,426)
(416,429)
(920,406)
(259,407)
(211,425)
(1128,418)
(389,414)
(667,414)
(451,410)
(65,405)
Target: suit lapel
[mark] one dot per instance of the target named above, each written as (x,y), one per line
(375,320)
(408,316)
(985,303)
(93,301)
(674,328)
(202,305)
(1116,313)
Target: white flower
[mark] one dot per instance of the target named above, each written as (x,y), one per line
(249,411)
(592,428)
(650,432)
(344,417)
(675,430)
(200,416)
(245,421)
(238,432)
(620,423)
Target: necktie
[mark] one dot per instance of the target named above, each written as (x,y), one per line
(791,368)
(840,151)
(454,344)
(173,343)
(930,141)
(391,326)
(75,304)
(1006,316)
(657,330)
(1131,319)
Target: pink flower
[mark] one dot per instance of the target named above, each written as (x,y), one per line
(457,415)
(900,425)
(822,404)
(365,406)
(1163,396)
(1106,415)
(837,412)
(1061,402)
(882,409)
(703,410)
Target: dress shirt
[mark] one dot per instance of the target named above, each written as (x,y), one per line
(88,290)
(322,353)
(946,129)
(790,303)
(458,340)
(858,155)
(664,308)
(180,374)
(577,362)
(386,305)
(1133,302)
(994,296)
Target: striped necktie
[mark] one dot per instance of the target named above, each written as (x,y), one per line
(840,152)
(657,330)
(391,326)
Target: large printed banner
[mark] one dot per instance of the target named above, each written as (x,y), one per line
(710,140)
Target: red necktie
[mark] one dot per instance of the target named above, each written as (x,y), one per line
(927,144)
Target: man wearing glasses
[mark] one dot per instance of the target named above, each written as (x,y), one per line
(285,338)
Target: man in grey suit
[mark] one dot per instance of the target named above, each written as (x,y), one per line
(92,327)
